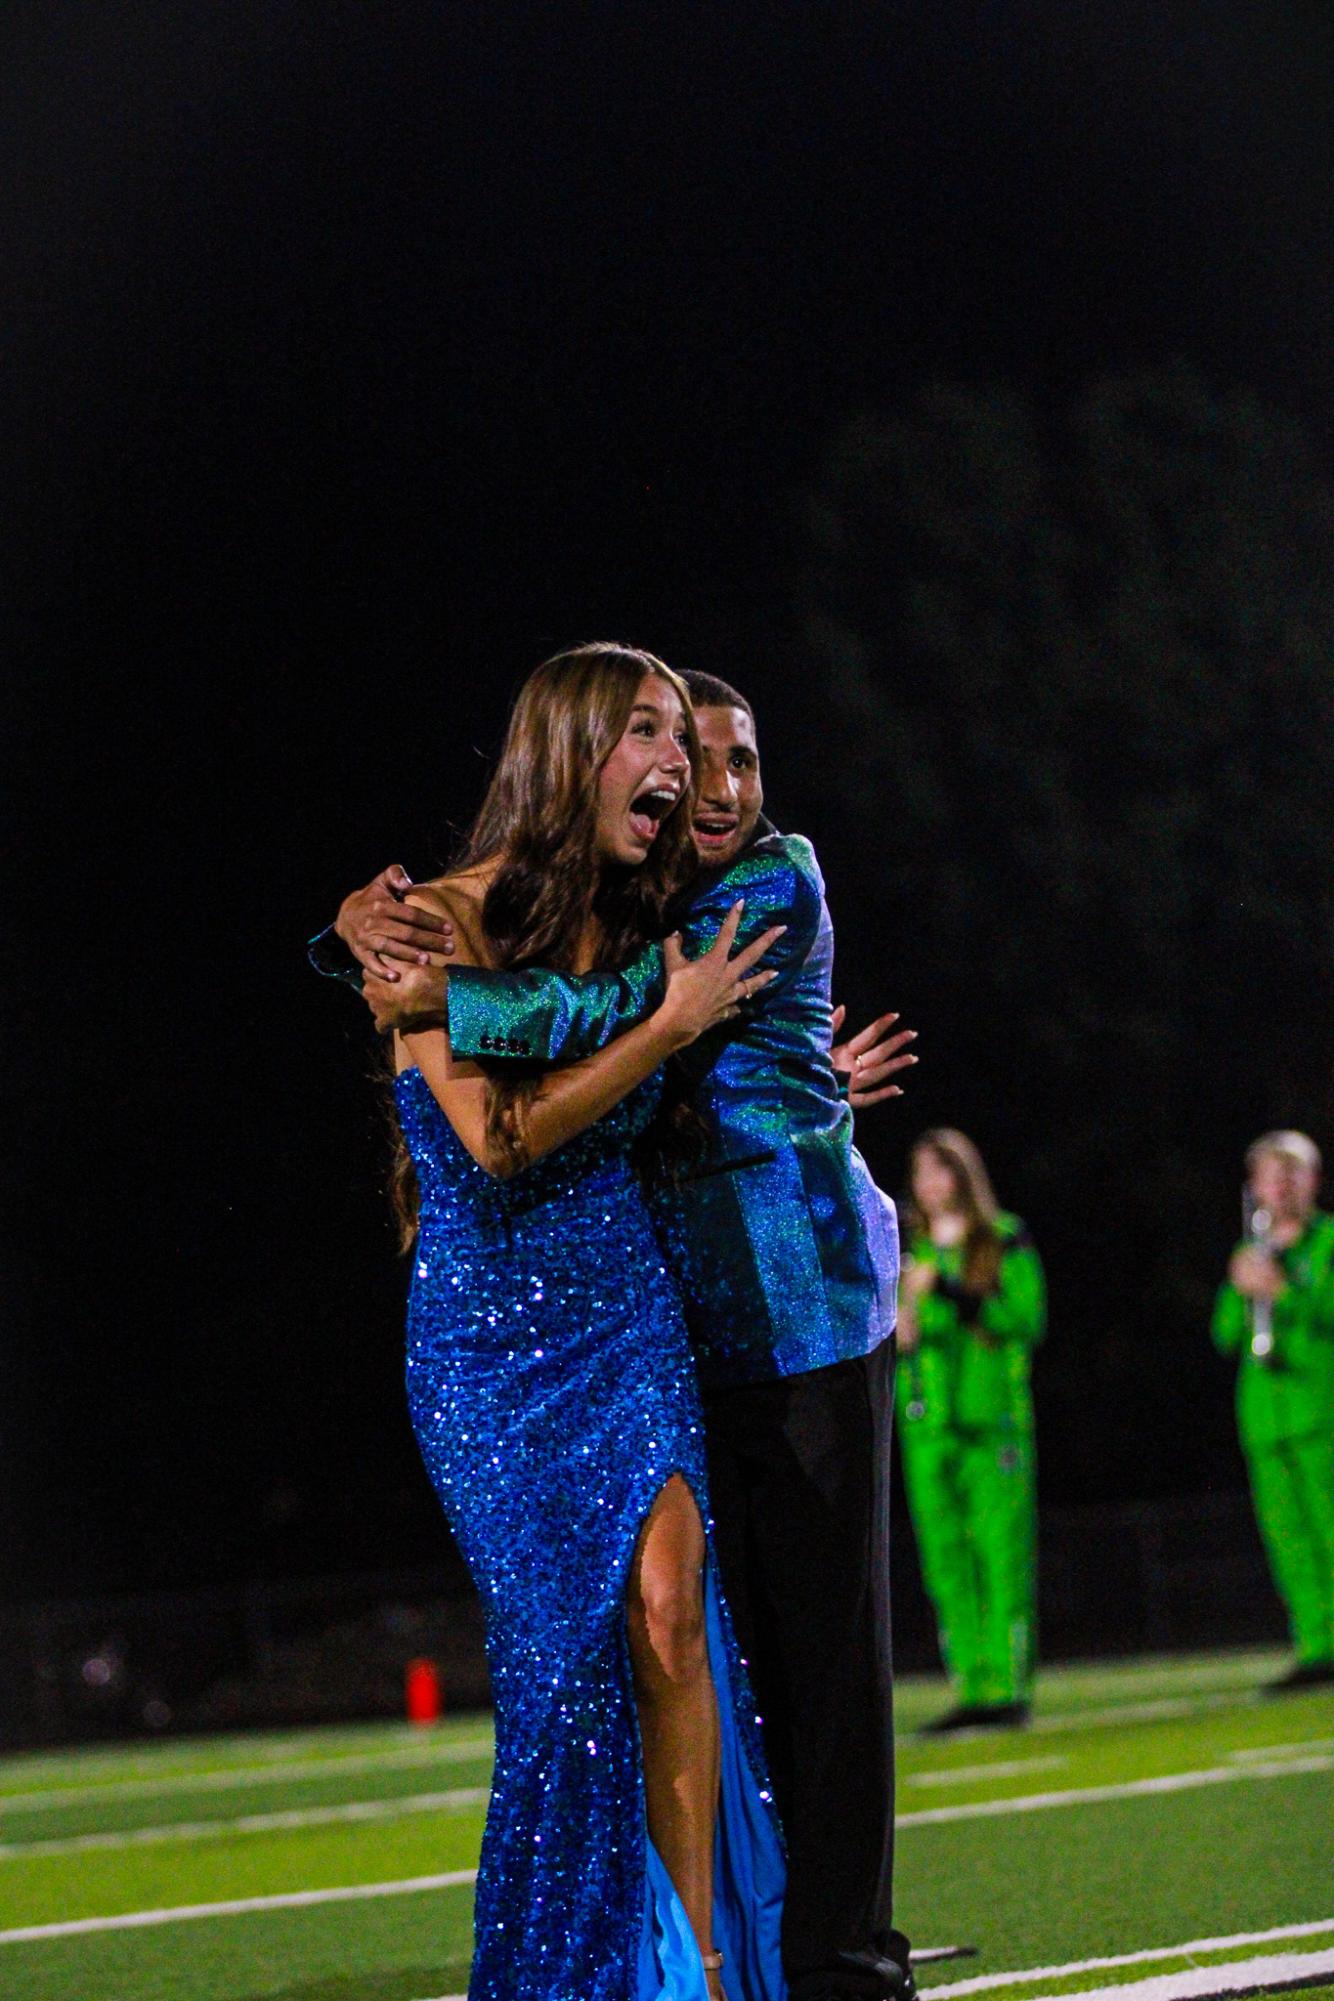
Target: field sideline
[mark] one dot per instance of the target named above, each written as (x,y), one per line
(1161,1831)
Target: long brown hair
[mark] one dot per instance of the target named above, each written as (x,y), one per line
(982,1244)
(539,816)
(540,813)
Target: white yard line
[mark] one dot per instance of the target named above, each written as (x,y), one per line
(294,1900)
(461,1798)
(1247,1976)
(980,1983)
(252,1775)
(454,1801)
(1272,1975)
(1170,1782)
(961,1775)
(240,1747)
(1160,1711)
(457,1878)
(235,1777)
(918,1960)
(1285,1750)
(1205,1671)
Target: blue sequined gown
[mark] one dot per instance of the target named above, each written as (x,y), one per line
(553,1395)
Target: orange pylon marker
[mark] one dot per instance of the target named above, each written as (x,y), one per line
(421,1683)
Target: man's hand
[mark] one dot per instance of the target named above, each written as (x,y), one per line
(378,927)
(870,1058)
(1255,1275)
(411,1001)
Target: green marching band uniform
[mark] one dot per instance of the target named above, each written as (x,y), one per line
(967,1437)
(1285,1415)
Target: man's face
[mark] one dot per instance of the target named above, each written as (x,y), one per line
(729,795)
(1285,1187)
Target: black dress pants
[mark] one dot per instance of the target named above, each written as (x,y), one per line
(799,1476)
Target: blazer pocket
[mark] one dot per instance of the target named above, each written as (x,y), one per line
(732,1166)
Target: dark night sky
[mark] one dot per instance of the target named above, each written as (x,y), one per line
(353,359)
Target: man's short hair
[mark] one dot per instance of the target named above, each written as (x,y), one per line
(1288,1146)
(708,692)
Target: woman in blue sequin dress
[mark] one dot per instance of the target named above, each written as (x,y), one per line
(631,1850)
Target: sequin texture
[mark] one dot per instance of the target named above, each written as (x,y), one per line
(552,1394)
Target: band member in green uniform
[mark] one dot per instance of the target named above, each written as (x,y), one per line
(971,1310)
(1276,1311)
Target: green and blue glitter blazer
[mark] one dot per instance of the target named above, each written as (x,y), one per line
(785,1250)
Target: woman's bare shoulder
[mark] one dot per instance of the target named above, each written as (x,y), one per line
(451,895)
(459,897)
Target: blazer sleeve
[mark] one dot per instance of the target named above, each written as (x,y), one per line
(1231,1322)
(547,1017)
(781,884)
(329,955)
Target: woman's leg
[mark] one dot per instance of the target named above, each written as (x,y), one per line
(930,1462)
(678,1707)
(1003,1535)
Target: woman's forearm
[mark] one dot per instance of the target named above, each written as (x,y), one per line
(571,1099)
(700,994)
(566,1102)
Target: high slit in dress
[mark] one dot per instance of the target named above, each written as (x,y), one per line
(553,1396)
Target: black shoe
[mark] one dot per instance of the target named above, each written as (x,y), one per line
(861,1976)
(1001,1715)
(1302,1674)
(978,1716)
(961,1718)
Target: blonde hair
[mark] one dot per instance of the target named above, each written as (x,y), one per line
(1288,1145)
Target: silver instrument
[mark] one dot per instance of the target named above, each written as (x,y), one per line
(1257,1227)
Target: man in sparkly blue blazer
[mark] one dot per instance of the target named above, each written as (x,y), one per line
(787,1256)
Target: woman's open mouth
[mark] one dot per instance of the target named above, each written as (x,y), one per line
(648,811)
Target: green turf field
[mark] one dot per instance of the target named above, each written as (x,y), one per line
(1159,1816)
